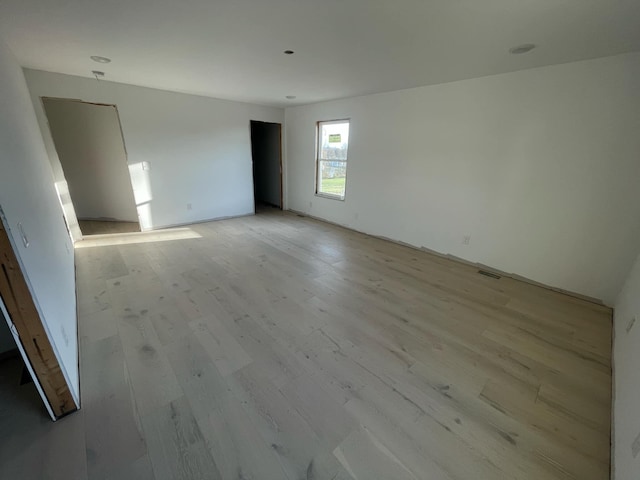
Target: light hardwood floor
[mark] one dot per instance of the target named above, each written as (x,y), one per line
(280,347)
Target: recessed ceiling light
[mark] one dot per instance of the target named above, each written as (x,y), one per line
(289,52)
(520,49)
(290,97)
(99,59)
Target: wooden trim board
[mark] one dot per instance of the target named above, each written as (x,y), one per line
(24,315)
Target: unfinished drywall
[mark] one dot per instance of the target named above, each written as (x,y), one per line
(265,142)
(189,156)
(539,168)
(31,206)
(626,359)
(89,144)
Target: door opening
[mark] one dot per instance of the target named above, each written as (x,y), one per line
(18,392)
(266,150)
(88,140)
(18,308)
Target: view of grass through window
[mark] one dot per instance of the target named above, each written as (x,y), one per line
(333,145)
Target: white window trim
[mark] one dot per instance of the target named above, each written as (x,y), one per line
(318,159)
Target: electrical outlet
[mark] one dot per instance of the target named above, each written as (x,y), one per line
(631,324)
(310,205)
(189,207)
(466,240)
(25,240)
(64,336)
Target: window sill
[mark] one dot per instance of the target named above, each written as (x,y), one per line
(330,197)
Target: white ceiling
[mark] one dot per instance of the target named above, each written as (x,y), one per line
(233,49)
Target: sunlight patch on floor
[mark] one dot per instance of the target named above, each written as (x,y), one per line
(137,237)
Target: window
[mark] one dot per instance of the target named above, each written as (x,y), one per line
(333,144)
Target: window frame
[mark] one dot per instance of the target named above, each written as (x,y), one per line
(319,125)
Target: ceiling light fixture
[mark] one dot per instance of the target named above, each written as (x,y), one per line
(289,52)
(520,49)
(99,59)
(290,97)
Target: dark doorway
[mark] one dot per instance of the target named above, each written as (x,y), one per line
(266,150)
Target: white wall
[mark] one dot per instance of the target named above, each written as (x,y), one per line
(626,352)
(89,144)
(182,149)
(28,196)
(541,167)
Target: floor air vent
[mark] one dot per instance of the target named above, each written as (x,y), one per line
(489,274)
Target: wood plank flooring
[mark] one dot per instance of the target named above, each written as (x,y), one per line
(280,347)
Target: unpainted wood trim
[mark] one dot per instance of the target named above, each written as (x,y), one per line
(24,315)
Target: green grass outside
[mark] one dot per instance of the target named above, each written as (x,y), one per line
(333,186)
